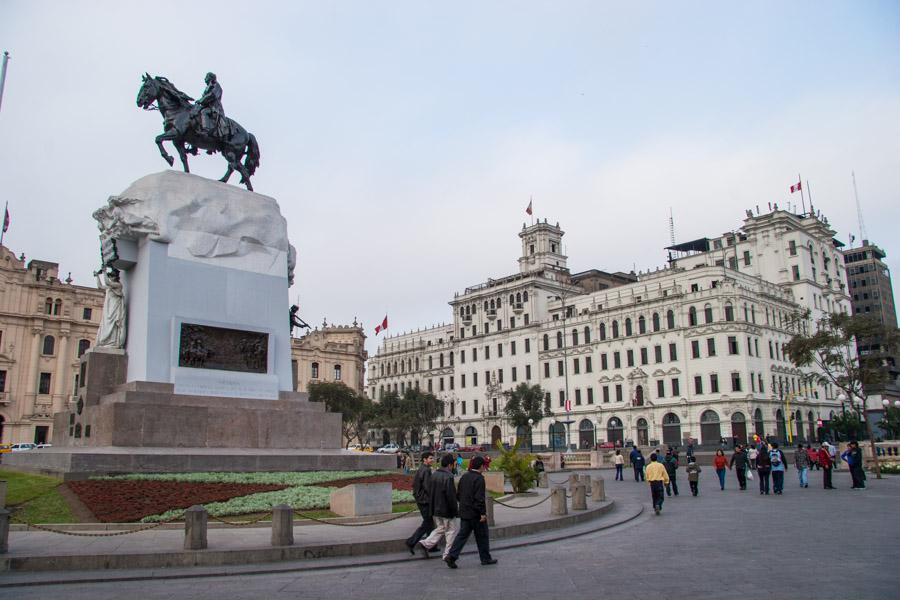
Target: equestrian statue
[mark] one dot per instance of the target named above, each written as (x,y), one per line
(191,125)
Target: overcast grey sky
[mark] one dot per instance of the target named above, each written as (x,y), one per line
(414,133)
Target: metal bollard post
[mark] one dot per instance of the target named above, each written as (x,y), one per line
(579,497)
(598,490)
(489,510)
(282,525)
(4,531)
(543,481)
(558,502)
(195,521)
(2,493)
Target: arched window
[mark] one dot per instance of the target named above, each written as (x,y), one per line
(83,346)
(707,314)
(628,330)
(671,426)
(499,302)
(574,337)
(643,437)
(692,316)
(441,360)
(559,339)
(739,426)
(615,329)
(518,297)
(602,331)
(48,306)
(614,431)
(485,306)
(729,312)
(524,296)
(49,345)
(492,304)
(670,319)
(471,435)
(557,436)
(512,299)
(546,342)
(639,395)
(780,430)
(586,434)
(57,307)
(642,324)
(655,321)
(417,363)
(710,428)
(315,370)
(587,334)
(337,372)
(382,367)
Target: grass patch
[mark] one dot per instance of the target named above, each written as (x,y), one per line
(22,487)
(36,497)
(47,508)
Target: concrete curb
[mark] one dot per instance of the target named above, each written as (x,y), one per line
(25,579)
(230,557)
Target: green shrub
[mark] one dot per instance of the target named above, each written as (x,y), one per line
(517,467)
(890,468)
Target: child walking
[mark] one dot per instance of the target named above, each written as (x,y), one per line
(693,473)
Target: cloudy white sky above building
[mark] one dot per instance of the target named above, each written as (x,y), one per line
(403,140)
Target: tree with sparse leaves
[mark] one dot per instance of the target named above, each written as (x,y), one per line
(356,409)
(832,349)
(415,412)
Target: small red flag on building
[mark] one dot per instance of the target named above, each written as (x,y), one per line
(382,327)
(796,188)
(528,210)
(568,405)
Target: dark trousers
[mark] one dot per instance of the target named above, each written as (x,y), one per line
(694,487)
(482,540)
(742,477)
(672,486)
(638,473)
(778,481)
(656,493)
(425,528)
(763,480)
(826,478)
(858,476)
(619,473)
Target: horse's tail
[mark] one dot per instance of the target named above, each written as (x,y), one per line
(252,160)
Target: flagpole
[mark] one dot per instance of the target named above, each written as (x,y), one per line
(802,199)
(3,225)
(3,75)
(809,195)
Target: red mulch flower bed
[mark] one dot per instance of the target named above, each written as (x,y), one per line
(397,481)
(123,501)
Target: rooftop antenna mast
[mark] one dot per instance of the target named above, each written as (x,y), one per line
(671,233)
(862,226)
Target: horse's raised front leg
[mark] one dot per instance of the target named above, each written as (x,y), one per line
(165,137)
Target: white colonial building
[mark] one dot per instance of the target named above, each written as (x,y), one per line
(692,350)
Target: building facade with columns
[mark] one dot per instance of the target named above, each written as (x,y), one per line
(45,326)
(692,350)
(332,353)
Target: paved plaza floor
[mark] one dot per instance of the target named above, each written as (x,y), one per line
(808,543)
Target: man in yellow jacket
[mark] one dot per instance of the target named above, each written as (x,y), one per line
(658,478)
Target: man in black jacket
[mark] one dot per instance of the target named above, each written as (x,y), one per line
(740,463)
(444,508)
(421,492)
(472,515)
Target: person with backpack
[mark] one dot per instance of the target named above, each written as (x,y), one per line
(763,470)
(720,464)
(637,463)
(779,466)
(671,465)
(693,472)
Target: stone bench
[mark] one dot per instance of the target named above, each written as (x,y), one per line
(361,499)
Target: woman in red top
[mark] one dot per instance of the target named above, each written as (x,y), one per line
(825,462)
(813,457)
(720,464)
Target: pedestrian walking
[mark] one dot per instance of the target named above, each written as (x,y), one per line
(671,465)
(813,455)
(801,461)
(620,464)
(422,494)
(854,459)
(751,455)
(720,464)
(690,449)
(763,470)
(444,508)
(779,466)
(658,478)
(472,515)
(457,469)
(739,462)
(637,463)
(538,465)
(832,452)
(693,472)
(825,461)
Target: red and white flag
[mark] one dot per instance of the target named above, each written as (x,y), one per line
(528,210)
(382,327)
(796,188)
(568,405)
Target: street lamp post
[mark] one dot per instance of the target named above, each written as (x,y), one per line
(530,435)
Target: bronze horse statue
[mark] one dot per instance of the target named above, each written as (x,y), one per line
(181,126)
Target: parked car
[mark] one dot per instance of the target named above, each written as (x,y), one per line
(473,448)
(44,446)
(606,445)
(391,448)
(22,447)
(5,448)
